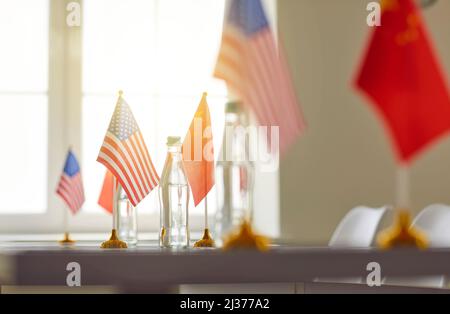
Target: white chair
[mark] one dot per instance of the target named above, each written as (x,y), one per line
(434,221)
(357,229)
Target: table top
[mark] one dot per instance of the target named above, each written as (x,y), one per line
(44,263)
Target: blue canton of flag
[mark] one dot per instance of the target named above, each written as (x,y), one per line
(248,16)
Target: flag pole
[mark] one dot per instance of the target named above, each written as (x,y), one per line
(402,233)
(65,227)
(114,242)
(114,213)
(66,239)
(402,194)
(206,240)
(206,212)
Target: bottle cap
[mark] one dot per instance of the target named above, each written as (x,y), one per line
(233,107)
(173,140)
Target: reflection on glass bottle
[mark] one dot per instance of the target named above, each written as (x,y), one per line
(234,172)
(174,198)
(126,218)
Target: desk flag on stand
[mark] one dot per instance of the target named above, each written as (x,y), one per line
(70,189)
(256,72)
(125,155)
(404,81)
(198,162)
(70,186)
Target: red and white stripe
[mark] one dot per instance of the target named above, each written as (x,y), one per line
(256,71)
(71,190)
(130,163)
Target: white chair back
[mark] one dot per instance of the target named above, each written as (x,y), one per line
(358,227)
(434,221)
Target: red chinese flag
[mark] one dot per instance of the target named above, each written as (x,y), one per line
(401,75)
(198,153)
(105,199)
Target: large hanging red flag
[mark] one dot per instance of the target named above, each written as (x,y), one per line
(198,153)
(402,77)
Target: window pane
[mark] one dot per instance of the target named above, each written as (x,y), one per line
(24,53)
(118,45)
(24,28)
(23,165)
(162,54)
(188,42)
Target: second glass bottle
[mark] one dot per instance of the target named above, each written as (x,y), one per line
(174,198)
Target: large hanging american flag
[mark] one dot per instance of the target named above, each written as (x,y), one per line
(125,154)
(70,186)
(256,72)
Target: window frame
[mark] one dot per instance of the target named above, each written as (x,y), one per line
(65,97)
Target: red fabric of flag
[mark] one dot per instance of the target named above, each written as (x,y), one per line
(198,153)
(105,199)
(402,77)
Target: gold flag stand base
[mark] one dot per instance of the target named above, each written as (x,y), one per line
(206,240)
(246,238)
(66,240)
(401,234)
(114,242)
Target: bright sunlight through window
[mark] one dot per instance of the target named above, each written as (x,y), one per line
(24,105)
(161,53)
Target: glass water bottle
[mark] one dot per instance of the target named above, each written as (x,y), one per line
(126,218)
(174,199)
(234,173)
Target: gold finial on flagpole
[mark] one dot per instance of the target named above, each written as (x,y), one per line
(66,240)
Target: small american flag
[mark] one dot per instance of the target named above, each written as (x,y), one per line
(125,154)
(70,186)
(254,70)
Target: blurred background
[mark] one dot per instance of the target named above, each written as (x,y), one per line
(58,86)
(345,158)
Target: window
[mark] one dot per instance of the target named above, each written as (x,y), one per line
(23,104)
(58,88)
